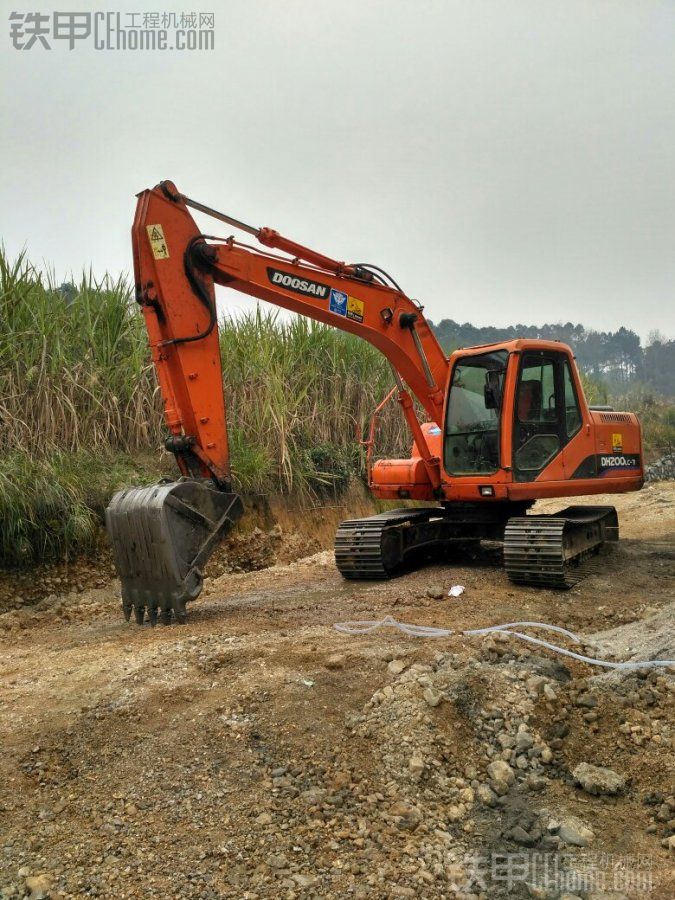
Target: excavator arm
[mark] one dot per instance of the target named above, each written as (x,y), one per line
(163,535)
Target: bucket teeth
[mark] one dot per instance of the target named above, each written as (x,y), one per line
(161,537)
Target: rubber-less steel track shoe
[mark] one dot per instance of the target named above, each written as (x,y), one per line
(554,551)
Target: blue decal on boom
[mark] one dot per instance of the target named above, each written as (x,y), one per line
(338,302)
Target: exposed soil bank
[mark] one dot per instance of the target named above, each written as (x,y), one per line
(273,529)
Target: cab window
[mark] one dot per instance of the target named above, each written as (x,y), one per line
(572,410)
(473,414)
(547,412)
(537,431)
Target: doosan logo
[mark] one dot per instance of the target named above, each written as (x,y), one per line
(297,285)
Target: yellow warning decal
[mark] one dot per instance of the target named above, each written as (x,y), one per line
(157,242)
(617,443)
(355,309)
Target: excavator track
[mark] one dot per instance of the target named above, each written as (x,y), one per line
(557,551)
(373,547)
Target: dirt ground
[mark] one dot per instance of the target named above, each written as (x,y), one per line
(258,752)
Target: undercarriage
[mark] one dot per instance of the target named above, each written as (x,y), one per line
(542,550)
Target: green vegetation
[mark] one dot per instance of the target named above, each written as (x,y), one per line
(79,407)
(296,391)
(74,369)
(52,506)
(657,417)
(594,390)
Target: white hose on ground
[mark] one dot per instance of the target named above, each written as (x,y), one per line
(490,628)
(372,625)
(365,627)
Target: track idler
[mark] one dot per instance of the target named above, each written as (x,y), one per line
(162,537)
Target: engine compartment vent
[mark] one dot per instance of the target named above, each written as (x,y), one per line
(614,417)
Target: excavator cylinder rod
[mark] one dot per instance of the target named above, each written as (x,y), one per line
(162,536)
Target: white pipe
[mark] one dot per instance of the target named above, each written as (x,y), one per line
(365,627)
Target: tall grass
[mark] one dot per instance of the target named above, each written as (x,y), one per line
(297,392)
(51,507)
(79,403)
(74,370)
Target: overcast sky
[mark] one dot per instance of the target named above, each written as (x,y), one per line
(506,161)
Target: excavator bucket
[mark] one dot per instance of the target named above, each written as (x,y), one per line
(162,536)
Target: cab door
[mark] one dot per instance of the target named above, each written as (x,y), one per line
(540,428)
(580,445)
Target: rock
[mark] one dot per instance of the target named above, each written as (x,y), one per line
(276,861)
(574,832)
(486,795)
(586,700)
(501,776)
(524,741)
(606,895)
(456,812)
(520,836)
(663,813)
(436,592)
(467,795)
(536,782)
(597,779)
(535,684)
(336,661)
(432,697)
(501,770)
(39,887)
(341,780)
(416,764)
(264,819)
(539,892)
(396,666)
(312,796)
(662,469)
(406,815)
(671,844)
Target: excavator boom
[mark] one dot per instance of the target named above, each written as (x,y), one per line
(162,536)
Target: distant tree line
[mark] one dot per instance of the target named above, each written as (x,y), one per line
(615,357)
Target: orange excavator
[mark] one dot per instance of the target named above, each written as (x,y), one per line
(507,423)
